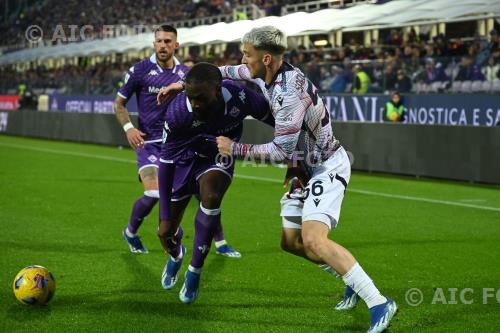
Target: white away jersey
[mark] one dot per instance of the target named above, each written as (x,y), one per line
(303,130)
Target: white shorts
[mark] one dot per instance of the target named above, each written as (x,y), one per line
(323,194)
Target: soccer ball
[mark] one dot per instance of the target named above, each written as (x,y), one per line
(34,285)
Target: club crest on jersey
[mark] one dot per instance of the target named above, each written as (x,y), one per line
(181,73)
(196,123)
(152,158)
(242,96)
(153,72)
(235,112)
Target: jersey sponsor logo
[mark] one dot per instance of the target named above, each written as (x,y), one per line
(153,90)
(235,112)
(286,119)
(152,158)
(153,72)
(242,96)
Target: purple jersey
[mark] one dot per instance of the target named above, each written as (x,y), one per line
(145,79)
(185,137)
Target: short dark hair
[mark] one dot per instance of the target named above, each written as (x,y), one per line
(204,72)
(166,28)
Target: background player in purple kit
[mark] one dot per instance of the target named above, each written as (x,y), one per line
(145,79)
(190,165)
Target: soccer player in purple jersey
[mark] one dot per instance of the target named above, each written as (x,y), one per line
(190,165)
(145,79)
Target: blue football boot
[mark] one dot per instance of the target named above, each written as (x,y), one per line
(190,288)
(381,316)
(170,273)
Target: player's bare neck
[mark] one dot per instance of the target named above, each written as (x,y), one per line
(169,64)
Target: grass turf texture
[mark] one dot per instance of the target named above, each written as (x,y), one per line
(63,206)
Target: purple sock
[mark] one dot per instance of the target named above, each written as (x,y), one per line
(206,222)
(174,244)
(142,207)
(219,233)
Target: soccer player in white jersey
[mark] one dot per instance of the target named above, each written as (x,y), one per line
(303,133)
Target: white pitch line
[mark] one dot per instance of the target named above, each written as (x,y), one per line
(71,153)
(265,179)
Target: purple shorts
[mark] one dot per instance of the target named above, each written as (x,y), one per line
(149,156)
(187,175)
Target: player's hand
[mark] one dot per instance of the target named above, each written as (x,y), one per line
(225,145)
(169,92)
(135,138)
(292,172)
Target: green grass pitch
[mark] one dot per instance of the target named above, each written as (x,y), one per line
(63,205)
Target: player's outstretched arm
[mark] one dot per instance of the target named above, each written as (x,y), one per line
(239,73)
(135,137)
(167,93)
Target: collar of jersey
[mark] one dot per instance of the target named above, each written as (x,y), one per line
(225,94)
(283,68)
(153,60)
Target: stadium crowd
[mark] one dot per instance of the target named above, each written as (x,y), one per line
(47,14)
(414,63)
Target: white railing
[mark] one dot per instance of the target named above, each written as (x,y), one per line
(313,6)
(252,13)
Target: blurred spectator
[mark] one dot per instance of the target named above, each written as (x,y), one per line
(492,70)
(488,48)
(403,82)
(469,71)
(362,81)
(433,72)
(394,108)
(340,80)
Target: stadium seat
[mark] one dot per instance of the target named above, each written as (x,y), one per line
(486,86)
(455,86)
(495,87)
(466,87)
(435,86)
(477,86)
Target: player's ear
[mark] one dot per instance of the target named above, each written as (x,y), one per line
(176,45)
(267,59)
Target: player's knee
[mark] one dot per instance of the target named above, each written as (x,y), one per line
(311,241)
(165,231)
(211,200)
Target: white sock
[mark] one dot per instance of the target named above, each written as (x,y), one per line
(194,270)
(330,270)
(220,243)
(128,233)
(360,282)
(179,257)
